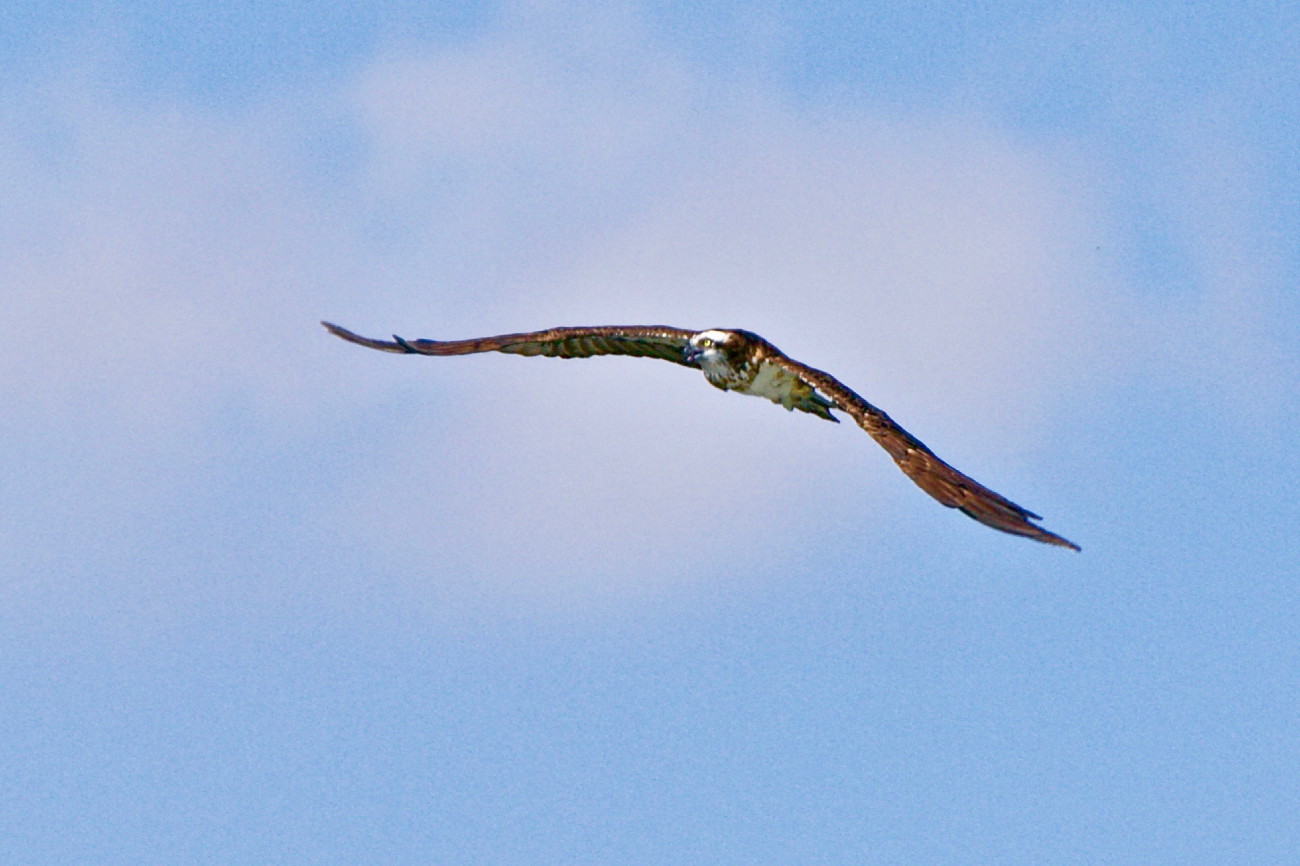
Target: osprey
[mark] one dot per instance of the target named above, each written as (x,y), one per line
(742,361)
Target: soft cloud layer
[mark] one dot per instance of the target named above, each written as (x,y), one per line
(928,264)
(269,597)
(936,265)
(171,264)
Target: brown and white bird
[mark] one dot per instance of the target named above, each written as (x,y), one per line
(744,362)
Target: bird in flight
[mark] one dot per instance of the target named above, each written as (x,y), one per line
(744,362)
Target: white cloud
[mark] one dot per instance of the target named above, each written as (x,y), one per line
(170,263)
(179,267)
(936,265)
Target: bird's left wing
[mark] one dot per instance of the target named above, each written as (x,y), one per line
(642,341)
(950,487)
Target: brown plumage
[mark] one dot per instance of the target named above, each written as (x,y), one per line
(744,362)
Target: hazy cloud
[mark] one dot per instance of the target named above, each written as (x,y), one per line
(169,265)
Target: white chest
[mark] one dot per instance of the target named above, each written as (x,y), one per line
(774,383)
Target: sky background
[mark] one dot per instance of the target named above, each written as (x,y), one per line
(272,598)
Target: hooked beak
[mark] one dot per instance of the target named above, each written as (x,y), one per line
(691,354)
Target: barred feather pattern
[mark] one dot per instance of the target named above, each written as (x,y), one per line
(641,341)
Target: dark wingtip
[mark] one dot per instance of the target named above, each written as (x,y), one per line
(381,345)
(338,331)
(1017,521)
(1052,538)
(1056,540)
(1046,537)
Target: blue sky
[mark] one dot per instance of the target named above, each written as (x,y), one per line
(273,598)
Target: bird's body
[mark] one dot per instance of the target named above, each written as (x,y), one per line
(778,385)
(742,361)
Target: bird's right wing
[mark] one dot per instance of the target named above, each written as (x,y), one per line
(642,341)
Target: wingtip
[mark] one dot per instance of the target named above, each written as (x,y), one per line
(1052,538)
(1014,520)
(342,333)
(382,345)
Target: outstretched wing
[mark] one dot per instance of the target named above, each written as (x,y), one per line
(952,488)
(931,474)
(642,341)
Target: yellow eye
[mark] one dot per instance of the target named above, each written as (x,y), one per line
(706,343)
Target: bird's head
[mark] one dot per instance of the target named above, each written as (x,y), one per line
(709,349)
(724,356)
